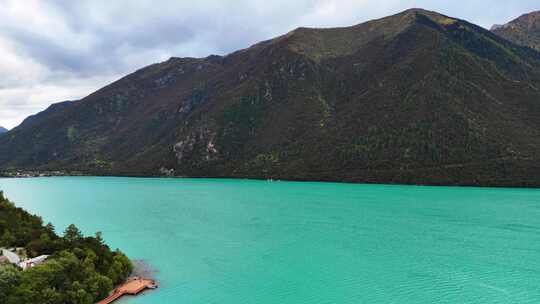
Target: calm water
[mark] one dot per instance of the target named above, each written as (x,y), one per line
(238,241)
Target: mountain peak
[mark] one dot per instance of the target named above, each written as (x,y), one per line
(524,30)
(435,16)
(324,43)
(417,10)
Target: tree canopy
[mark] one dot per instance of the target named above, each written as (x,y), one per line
(79,270)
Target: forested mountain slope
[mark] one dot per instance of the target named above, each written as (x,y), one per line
(416,97)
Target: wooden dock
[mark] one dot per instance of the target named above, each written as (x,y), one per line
(133,287)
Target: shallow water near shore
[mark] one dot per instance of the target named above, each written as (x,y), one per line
(244,241)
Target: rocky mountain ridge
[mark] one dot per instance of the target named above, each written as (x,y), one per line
(524,30)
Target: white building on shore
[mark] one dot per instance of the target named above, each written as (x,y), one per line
(10,257)
(32,262)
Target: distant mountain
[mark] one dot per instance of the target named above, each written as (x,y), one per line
(524,30)
(417,97)
(46,114)
(3,130)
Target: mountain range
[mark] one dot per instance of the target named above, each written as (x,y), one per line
(3,130)
(416,98)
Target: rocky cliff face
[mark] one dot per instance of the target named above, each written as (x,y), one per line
(413,98)
(525,30)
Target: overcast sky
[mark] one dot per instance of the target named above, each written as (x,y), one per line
(55,50)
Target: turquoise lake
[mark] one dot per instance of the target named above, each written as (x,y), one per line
(243,241)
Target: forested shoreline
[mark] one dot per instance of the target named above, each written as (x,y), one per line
(78,270)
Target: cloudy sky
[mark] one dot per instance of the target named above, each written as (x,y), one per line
(55,50)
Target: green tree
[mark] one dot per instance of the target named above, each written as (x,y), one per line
(7,239)
(99,237)
(50,228)
(72,234)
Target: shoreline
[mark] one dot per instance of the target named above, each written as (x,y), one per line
(360,181)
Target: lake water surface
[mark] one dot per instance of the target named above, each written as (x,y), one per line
(242,241)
